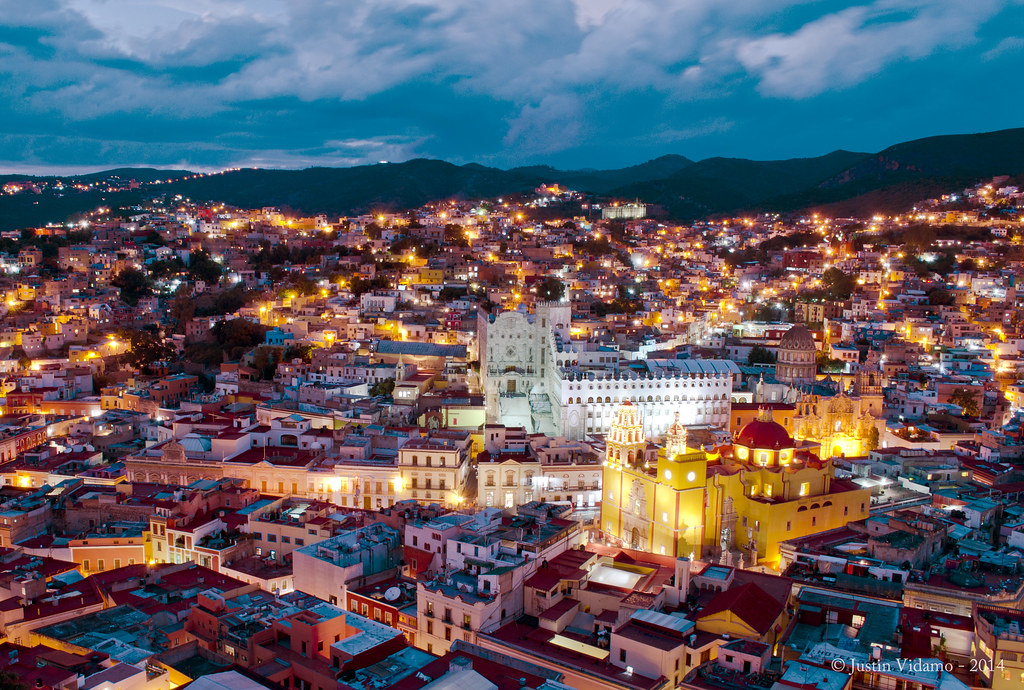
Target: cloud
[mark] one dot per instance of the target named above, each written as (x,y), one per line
(291,80)
(842,49)
(1010,44)
(552,125)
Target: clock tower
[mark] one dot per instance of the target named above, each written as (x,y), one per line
(652,502)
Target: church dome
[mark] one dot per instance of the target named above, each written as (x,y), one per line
(764,434)
(798,339)
(796,362)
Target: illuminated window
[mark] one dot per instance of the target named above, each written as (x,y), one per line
(668,474)
(805,488)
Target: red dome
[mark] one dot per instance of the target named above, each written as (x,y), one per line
(764,434)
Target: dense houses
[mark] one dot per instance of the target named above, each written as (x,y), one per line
(481,445)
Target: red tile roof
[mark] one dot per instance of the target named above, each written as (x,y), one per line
(749,603)
(561,608)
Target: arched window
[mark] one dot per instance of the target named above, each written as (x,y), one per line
(490,479)
(510,478)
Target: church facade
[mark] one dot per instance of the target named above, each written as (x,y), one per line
(837,413)
(735,502)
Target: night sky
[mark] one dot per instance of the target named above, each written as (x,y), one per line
(94,84)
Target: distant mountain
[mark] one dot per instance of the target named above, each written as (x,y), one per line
(839,182)
(726,184)
(365,188)
(599,181)
(897,177)
(137,174)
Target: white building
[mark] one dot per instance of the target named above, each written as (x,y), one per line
(435,468)
(355,559)
(478,568)
(533,377)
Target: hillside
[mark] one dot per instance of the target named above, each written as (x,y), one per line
(843,182)
(600,181)
(726,184)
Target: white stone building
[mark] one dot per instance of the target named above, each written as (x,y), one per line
(532,377)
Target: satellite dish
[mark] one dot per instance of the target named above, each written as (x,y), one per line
(392,593)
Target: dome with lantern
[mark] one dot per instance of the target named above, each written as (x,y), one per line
(796,359)
(765,442)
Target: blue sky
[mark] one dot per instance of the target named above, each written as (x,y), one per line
(204,84)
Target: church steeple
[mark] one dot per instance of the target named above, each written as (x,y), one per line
(675,439)
(626,439)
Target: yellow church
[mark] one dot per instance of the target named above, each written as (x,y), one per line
(735,501)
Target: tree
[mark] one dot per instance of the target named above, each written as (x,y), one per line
(372,231)
(302,284)
(303,352)
(759,354)
(146,347)
(838,285)
(10,681)
(165,268)
(828,364)
(238,333)
(134,285)
(264,361)
(551,289)
(202,267)
(455,235)
(940,297)
(385,387)
(873,440)
(447,294)
(768,313)
(358,286)
(154,237)
(966,400)
(224,302)
(182,310)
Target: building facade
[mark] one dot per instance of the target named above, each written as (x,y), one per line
(532,377)
(734,502)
